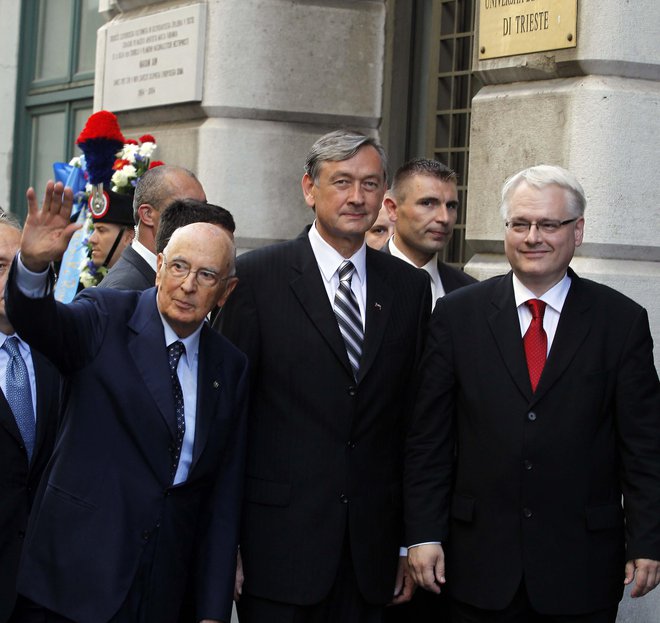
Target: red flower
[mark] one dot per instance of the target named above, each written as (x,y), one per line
(130,141)
(156,163)
(147,138)
(120,163)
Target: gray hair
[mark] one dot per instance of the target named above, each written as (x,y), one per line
(8,219)
(340,145)
(154,188)
(541,176)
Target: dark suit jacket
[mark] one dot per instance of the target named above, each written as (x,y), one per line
(18,481)
(324,451)
(106,493)
(452,278)
(131,272)
(535,488)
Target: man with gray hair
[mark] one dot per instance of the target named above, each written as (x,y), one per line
(156,189)
(333,333)
(540,402)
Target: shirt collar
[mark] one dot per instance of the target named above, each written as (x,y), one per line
(329,260)
(555,297)
(431,267)
(191,342)
(144,253)
(22,346)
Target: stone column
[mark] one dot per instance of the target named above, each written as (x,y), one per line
(277,75)
(593,109)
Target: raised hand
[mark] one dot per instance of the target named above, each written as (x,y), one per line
(47,231)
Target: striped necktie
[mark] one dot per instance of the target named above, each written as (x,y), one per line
(348,316)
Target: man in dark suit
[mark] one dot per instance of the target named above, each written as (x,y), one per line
(156,189)
(144,487)
(524,462)
(25,445)
(322,518)
(423,204)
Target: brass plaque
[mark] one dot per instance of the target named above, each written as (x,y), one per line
(509,27)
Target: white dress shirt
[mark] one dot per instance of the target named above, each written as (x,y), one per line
(187,373)
(144,253)
(431,267)
(329,261)
(554,299)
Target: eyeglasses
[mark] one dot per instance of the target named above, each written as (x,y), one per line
(205,277)
(545,227)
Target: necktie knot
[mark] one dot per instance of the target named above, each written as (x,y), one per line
(11,346)
(346,271)
(174,352)
(537,307)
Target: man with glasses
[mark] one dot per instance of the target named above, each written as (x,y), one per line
(541,406)
(142,496)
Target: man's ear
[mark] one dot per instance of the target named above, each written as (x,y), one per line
(145,214)
(390,206)
(308,188)
(229,288)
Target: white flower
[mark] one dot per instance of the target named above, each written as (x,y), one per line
(147,149)
(129,151)
(76,162)
(123,177)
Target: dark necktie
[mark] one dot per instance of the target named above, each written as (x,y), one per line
(348,316)
(19,394)
(174,352)
(536,342)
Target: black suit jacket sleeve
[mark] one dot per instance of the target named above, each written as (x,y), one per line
(637,414)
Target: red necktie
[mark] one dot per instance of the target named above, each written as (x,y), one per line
(535,342)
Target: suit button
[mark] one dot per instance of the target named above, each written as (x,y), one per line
(531,416)
(351,390)
(528,465)
(145,535)
(351,444)
(21,534)
(527,512)
(343,498)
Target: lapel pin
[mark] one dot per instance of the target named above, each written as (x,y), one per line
(216,384)
(377,306)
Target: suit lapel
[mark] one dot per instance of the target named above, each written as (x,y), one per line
(46,379)
(378,310)
(307,285)
(574,325)
(7,419)
(148,339)
(210,383)
(505,326)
